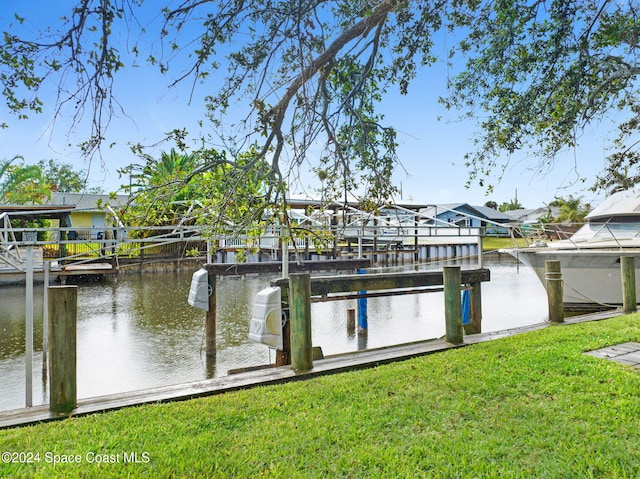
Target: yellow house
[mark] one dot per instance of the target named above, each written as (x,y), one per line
(89,211)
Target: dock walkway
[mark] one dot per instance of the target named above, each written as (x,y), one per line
(268,375)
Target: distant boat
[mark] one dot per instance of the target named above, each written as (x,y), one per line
(590,258)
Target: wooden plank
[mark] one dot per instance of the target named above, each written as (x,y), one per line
(323,285)
(86,269)
(294,267)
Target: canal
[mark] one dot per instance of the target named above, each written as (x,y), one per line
(137,331)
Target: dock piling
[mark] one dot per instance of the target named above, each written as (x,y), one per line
(63,308)
(300,319)
(553,279)
(210,321)
(452,304)
(351,321)
(628,271)
(475,310)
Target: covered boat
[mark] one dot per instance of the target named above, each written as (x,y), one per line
(590,258)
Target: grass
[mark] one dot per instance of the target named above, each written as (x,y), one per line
(490,243)
(527,406)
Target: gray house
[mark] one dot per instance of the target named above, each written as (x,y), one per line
(492,221)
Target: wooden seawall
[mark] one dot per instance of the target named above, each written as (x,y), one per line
(267,376)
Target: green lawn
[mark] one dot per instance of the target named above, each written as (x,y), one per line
(528,406)
(490,243)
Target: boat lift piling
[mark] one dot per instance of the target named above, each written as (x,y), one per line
(628,271)
(28,350)
(553,278)
(554,287)
(63,311)
(296,301)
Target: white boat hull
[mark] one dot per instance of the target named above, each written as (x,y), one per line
(590,276)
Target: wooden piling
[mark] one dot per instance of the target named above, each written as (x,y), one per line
(351,321)
(63,307)
(300,319)
(628,271)
(553,279)
(210,320)
(475,309)
(452,304)
(283,357)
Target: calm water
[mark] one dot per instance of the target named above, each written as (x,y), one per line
(137,332)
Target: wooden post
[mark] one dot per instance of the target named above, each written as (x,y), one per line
(452,304)
(210,320)
(45,310)
(351,321)
(628,271)
(475,310)
(553,277)
(28,347)
(63,307)
(300,307)
(283,357)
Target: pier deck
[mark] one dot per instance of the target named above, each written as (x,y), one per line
(87,269)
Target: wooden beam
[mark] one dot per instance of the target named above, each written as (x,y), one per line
(323,285)
(276,266)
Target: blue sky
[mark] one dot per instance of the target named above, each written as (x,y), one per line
(431,151)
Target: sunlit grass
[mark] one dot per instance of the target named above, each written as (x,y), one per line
(490,243)
(532,405)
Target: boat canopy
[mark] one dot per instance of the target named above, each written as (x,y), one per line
(622,204)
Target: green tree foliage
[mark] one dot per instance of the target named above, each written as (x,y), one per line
(63,178)
(197,188)
(300,76)
(22,184)
(571,210)
(543,70)
(305,78)
(511,205)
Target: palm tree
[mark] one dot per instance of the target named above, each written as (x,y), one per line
(4,185)
(512,205)
(571,210)
(170,167)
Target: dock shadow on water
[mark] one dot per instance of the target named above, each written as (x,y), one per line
(137,331)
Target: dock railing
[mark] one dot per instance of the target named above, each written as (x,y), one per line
(301,289)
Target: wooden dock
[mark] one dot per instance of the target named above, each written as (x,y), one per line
(267,375)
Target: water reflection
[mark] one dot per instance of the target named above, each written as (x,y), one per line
(137,331)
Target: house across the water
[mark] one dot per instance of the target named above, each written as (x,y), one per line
(493,222)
